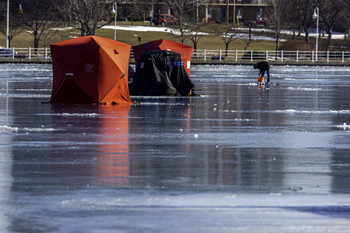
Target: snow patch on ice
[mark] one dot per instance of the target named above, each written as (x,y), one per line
(25,95)
(289,110)
(304,89)
(26,129)
(294,111)
(79,114)
(314,112)
(38,129)
(8,128)
(222,120)
(344,126)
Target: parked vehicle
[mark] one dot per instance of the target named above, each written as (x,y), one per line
(258,21)
(163,19)
(10,53)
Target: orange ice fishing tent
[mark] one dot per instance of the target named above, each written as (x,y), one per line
(90,69)
(184,50)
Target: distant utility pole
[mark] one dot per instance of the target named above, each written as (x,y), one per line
(115,12)
(152,12)
(227,11)
(197,12)
(234,12)
(8,24)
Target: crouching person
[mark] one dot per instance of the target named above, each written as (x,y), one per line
(263,67)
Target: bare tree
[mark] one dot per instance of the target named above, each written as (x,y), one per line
(303,10)
(195,33)
(227,34)
(184,11)
(38,17)
(292,18)
(277,13)
(329,13)
(343,21)
(89,14)
(247,43)
(15,25)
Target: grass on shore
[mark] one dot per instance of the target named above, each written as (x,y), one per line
(25,39)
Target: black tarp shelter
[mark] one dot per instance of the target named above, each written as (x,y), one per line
(161,72)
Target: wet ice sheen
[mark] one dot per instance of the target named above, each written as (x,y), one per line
(239,158)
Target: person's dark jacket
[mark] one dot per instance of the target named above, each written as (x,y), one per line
(262,66)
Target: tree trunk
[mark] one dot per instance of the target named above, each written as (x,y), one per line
(276,44)
(250,33)
(195,46)
(306,36)
(345,34)
(330,32)
(36,42)
(82,29)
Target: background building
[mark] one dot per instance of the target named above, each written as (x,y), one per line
(207,11)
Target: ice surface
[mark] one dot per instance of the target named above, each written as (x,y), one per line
(238,158)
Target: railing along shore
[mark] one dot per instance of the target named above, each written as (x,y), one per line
(280,56)
(206,56)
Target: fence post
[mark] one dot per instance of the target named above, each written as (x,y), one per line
(281,55)
(251,55)
(267,55)
(13,53)
(236,58)
(220,55)
(297,55)
(312,56)
(342,56)
(29,53)
(205,55)
(46,53)
(327,55)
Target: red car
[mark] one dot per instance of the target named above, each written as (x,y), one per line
(259,21)
(163,19)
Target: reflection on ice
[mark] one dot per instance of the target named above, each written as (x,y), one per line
(113,163)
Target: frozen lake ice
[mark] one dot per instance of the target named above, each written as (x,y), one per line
(238,158)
